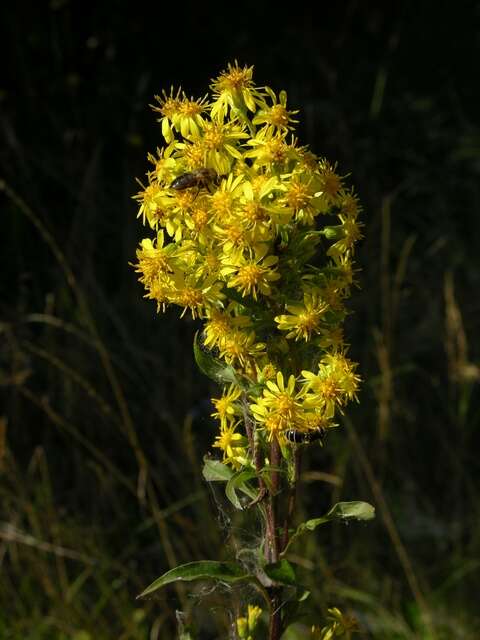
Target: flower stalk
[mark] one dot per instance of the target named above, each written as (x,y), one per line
(254,236)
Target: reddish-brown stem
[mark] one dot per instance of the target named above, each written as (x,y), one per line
(275,628)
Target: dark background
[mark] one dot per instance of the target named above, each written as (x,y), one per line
(103,417)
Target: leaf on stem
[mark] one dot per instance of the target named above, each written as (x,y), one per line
(356,510)
(216,370)
(282,572)
(238,483)
(228,572)
(216,471)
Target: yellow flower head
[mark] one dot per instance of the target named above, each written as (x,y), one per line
(333,385)
(227,407)
(246,624)
(179,113)
(280,408)
(235,89)
(275,116)
(303,319)
(239,347)
(251,275)
(239,210)
(330,182)
(339,625)
(233,445)
(270,151)
(153,259)
(194,294)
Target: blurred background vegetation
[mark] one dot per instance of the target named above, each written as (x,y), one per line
(104,418)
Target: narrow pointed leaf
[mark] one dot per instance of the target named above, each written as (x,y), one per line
(229,572)
(355,510)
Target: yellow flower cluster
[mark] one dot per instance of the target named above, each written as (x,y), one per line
(255,236)
(246,625)
(339,625)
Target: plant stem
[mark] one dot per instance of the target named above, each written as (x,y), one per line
(272,500)
(272,541)
(275,627)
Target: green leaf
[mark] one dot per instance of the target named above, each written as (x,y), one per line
(282,572)
(216,471)
(237,483)
(355,510)
(229,572)
(216,370)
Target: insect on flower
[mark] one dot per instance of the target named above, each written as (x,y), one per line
(197,178)
(304,437)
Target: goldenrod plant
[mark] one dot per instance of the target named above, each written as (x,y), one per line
(254,235)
